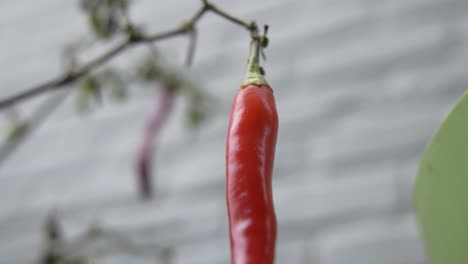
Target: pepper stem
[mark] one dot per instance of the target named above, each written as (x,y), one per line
(254,75)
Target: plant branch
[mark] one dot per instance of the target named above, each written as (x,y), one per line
(39,116)
(191,47)
(134,37)
(249,26)
(91,65)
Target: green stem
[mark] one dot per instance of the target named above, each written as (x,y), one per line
(254,75)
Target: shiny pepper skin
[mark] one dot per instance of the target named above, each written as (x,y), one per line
(250,153)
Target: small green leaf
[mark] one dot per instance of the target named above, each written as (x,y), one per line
(264,42)
(15,131)
(97,25)
(195,117)
(103,24)
(91,87)
(119,92)
(198,110)
(111,81)
(148,70)
(89,90)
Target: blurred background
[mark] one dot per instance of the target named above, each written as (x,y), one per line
(360,87)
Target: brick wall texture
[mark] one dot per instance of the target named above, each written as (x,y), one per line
(360,86)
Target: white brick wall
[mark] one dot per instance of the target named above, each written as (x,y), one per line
(360,87)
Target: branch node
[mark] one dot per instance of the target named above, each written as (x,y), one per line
(187,25)
(252,26)
(207,4)
(134,35)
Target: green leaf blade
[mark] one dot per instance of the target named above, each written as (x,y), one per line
(441,190)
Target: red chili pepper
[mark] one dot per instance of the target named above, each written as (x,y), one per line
(161,109)
(250,152)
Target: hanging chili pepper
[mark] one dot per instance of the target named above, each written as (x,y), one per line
(161,109)
(250,152)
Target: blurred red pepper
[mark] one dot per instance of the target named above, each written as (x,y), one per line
(162,107)
(250,152)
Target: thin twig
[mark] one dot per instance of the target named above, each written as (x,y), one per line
(249,26)
(191,47)
(199,14)
(83,70)
(163,35)
(39,116)
(135,38)
(44,87)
